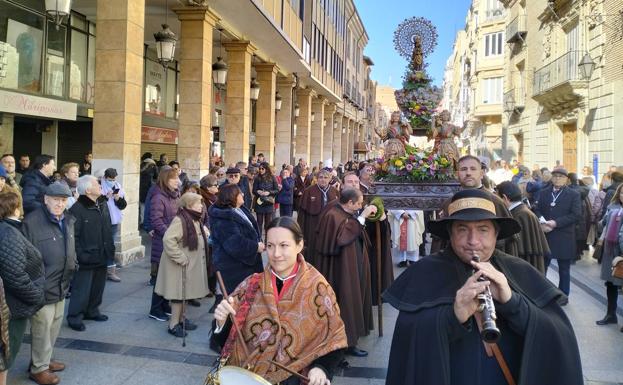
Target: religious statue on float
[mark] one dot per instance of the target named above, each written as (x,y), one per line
(395,136)
(444,133)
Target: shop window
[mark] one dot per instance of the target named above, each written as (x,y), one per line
(21,32)
(161,93)
(82,60)
(55,60)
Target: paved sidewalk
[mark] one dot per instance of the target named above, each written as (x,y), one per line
(132,349)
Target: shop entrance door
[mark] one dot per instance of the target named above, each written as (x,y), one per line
(27,137)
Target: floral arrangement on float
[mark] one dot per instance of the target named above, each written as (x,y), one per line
(418,99)
(415,166)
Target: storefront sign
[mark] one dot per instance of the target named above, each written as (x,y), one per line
(158,135)
(22,104)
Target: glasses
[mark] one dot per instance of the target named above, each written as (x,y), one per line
(220,174)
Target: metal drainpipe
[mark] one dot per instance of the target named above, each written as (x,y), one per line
(293,118)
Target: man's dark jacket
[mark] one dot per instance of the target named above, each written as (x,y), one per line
(33,189)
(93,232)
(58,249)
(424,294)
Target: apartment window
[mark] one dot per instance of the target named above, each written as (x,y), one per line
(495,9)
(492,90)
(494,44)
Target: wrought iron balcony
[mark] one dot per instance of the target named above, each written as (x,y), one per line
(516,30)
(495,14)
(514,100)
(347,89)
(559,85)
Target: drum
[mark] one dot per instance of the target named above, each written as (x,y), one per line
(233,375)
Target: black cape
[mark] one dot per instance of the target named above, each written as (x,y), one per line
(532,245)
(424,295)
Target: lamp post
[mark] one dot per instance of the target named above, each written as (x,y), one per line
(587,66)
(58,9)
(297,110)
(278,101)
(165,45)
(313,116)
(219,73)
(255,89)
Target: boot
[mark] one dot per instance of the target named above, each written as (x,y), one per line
(111,274)
(611,316)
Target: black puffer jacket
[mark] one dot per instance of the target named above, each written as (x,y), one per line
(57,247)
(93,232)
(21,270)
(33,188)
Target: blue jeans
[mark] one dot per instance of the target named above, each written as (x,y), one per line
(564,274)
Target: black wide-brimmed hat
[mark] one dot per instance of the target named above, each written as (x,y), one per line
(473,205)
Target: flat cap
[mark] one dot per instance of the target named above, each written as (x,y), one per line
(233,170)
(57,189)
(561,171)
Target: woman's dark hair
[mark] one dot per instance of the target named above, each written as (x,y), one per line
(42,160)
(164,176)
(268,175)
(227,195)
(573,178)
(287,223)
(9,202)
(510,190)
(189,184)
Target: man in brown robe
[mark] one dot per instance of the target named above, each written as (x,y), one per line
(314,199)
(470,174)
(532,244)
(343,260)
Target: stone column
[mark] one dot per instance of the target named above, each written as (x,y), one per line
(118,109)
(238,103)
(317,131)
(283,135)
(327,143)
(336,126)
(195,88)
(346,127)
(265,111)
(303,123)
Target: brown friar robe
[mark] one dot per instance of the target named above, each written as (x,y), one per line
(532,244)
(311,206)
(343,260)
(508,245)
(387,270)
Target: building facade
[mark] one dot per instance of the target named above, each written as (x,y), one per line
(94,84)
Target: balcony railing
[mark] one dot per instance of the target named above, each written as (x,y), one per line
(515,100)
(495,14)
(516,29)
(347,89)
(564,69)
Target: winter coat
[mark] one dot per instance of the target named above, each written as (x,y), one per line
(93,232)
(269,185)
(148,176)
(286,194)
(243,185)
(147,209)
(299,187)
(163,208)
(21,270)
(567,213)
(234,245)
(608,199)
(57,247)
(33,189)
(169,282)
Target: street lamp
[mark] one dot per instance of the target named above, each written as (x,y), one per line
(255,89)
(278,101)
(165,45)
(335,124)
(509,103)
(313,116)
(587,66)
(219,73)
(58,9)
(297,110)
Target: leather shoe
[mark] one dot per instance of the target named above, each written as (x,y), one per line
(77,327)
(355,351)
(97,318)
(402,264)
(56,366)
(194,302)
(45,378)
(608,319)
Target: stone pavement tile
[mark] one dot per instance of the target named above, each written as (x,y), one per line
(168,373)
(157,354)
(96,346)
(83,368)
(356,381)
(609,377)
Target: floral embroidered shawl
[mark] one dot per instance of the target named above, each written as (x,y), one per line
(303,326)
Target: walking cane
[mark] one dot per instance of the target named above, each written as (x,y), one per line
(183,317)
(379,278)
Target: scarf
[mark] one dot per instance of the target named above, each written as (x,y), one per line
(189,234)
(324,194)
(302,326)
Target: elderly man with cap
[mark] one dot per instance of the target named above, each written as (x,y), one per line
(51,230)
(233,176)
(437,338)
(559,209)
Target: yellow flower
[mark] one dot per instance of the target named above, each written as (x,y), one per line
(398,163)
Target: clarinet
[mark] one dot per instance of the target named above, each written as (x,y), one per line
(490,332)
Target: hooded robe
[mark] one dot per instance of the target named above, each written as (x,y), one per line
(532,245)
(311,205)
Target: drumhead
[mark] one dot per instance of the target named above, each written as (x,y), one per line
(233,375)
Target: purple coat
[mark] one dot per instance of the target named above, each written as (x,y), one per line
(163,210)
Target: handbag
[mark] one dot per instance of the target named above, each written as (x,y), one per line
(617,267)
(266,200)
(599,250)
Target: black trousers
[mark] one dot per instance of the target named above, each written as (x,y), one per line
(87,289)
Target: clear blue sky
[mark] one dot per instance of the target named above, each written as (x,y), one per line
(381,17)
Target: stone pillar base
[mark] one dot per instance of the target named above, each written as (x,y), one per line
(129,249)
